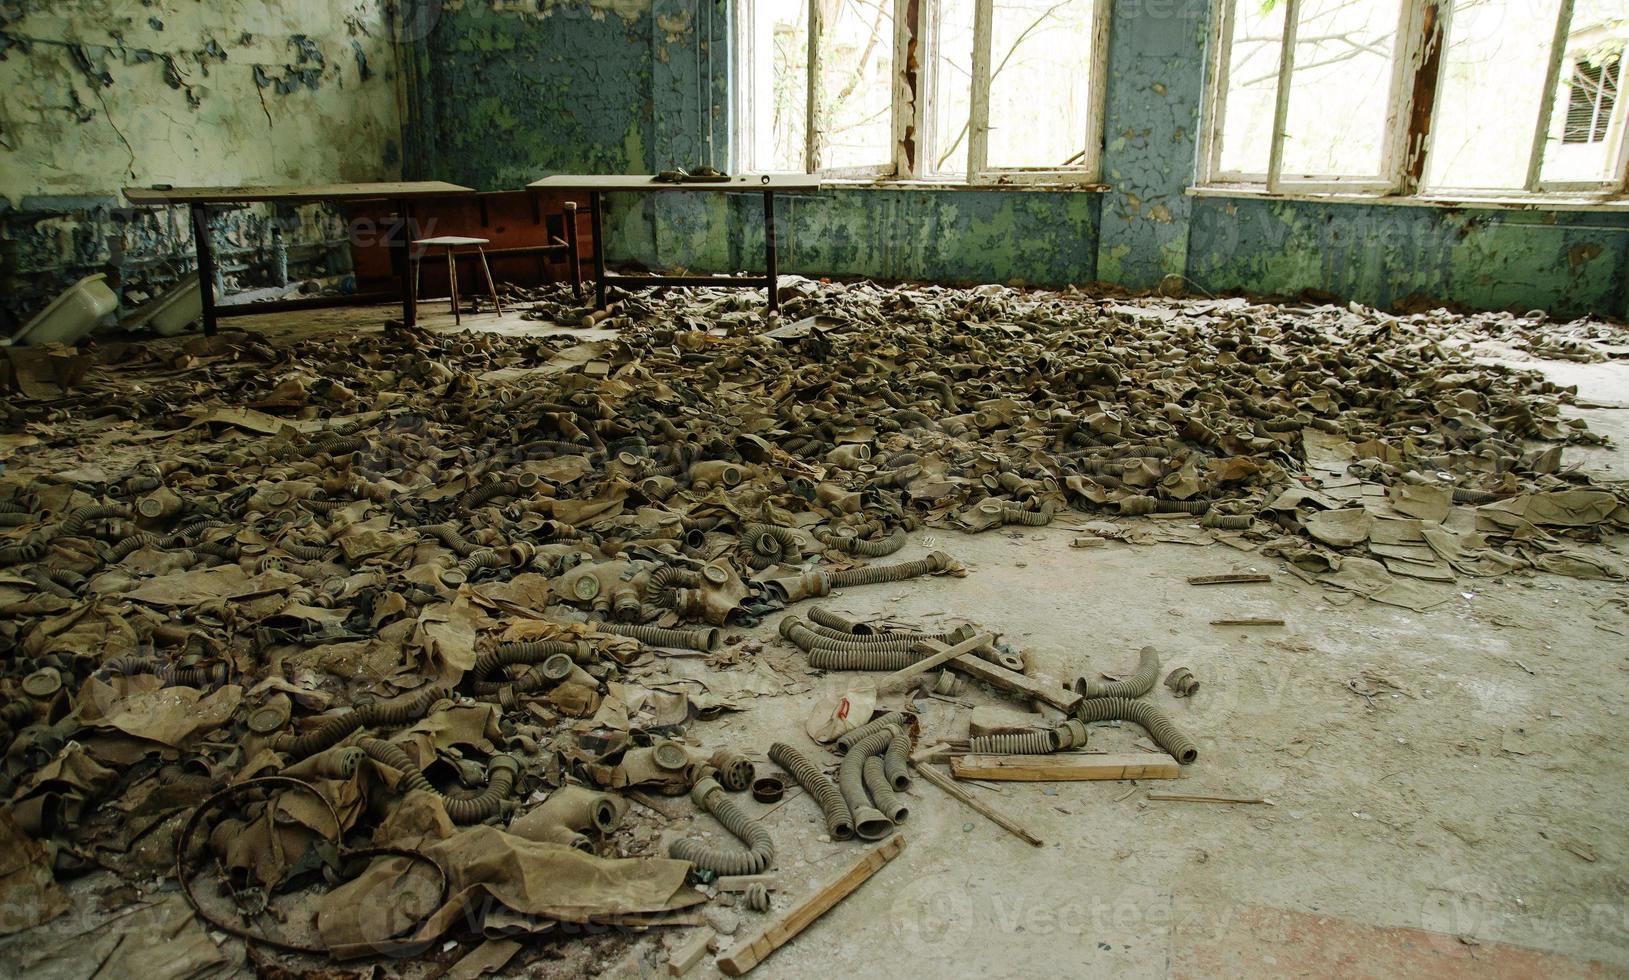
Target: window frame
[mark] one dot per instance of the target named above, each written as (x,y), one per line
(1424,31)
(916,41)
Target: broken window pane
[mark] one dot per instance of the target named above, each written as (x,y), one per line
(952,87)
(775,96)
(1252,87)
(856,83)
(1586,98)
(1040,80)
(1340,88)
(1488,97)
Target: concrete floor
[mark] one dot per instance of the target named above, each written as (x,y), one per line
(1467,818)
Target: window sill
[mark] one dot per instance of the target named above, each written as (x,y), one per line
(891,184)
(1508,202)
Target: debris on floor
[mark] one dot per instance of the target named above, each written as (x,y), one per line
(409,616)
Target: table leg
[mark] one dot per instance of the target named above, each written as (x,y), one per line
(572,258)
(771,269)
(597,225)
(402,243)
(206,265)
(452,286)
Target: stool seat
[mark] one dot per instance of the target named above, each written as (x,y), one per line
(449,242)
(452,241)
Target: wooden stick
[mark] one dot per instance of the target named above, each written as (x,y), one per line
(1201,798)
(900,678)
(1238,578)
(945,783)
(1247,622)
(1013,682)
(755,950)
(1064,766)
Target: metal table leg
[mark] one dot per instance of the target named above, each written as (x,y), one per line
(573,260)
(771,269)
(402,244)
(206,265)
(597,224)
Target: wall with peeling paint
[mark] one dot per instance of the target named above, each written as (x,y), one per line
(97,95)
(506,92)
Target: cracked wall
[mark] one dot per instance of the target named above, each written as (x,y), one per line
(98,95)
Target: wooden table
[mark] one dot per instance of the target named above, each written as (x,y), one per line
(199,199)
(596,185)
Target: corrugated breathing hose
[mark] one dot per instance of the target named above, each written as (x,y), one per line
(667,580)
(1228,522)
(839,819)
(878,637)
(825,617)
(1135,686)
(73,525)
(882,793)
(450,538)
(477,560)
(825,658)
(334,446)
(868,549)
(500,774)
(337,728)
(704,640)
(1012,514)
(1146,714)
(846,740)
(772,542)
(524,652)
(725,859)
(896,759)
(169,675)
(808,639)
(308,552)
(29,549)
(878,574)
(869,822)
(1014,743)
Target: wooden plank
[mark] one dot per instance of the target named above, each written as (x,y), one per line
(739,183)
(901,678)
(688,953)
(1013,682)
(1064,766)
(945,783)
(757,949)
(1237,578)
(393,190)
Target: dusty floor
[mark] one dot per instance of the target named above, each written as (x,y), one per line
(1446,794)
(1472,823)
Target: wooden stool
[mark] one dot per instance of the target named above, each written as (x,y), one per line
(450,242)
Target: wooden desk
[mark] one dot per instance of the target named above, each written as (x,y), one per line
(598,184)
(199,199)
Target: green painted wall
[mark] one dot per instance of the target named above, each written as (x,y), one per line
(504,93)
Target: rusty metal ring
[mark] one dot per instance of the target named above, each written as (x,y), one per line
(768,789)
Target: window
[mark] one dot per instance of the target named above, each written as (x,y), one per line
(1589,109)
(981,91)
(1400,97)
